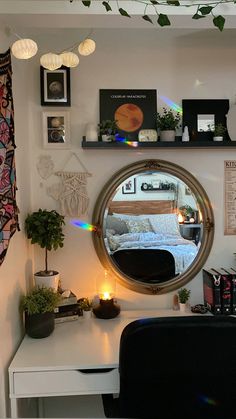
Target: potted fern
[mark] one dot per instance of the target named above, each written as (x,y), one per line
(167,122)
(46,229)
(39,305)
(184,295)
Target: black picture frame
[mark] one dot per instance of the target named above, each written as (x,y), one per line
(55,87)
(129,186)
(133,109)
(194,107)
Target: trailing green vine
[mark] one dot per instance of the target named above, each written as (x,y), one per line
(201,9)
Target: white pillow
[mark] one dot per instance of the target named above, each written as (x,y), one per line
(165,223)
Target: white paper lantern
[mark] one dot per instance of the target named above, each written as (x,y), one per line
(69,59)
(51,61)
(24,49)
(87,47)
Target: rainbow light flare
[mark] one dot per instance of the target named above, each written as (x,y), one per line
(172,104)
(123,140)
(82,224)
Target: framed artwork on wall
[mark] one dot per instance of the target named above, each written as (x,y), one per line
(133,110)
(56,130)
(202,115)
(129,186)
(55,87)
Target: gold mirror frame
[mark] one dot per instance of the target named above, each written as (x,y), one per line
(204,206)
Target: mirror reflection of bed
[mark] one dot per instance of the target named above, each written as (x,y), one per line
(142,232)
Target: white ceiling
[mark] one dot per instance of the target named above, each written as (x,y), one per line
(32,14)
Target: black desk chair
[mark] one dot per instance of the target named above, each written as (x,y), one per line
(177,367)
(147,265)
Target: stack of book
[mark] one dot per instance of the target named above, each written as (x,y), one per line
(67,309)
(219,287)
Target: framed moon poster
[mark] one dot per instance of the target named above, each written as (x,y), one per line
(55,87)
(133,110)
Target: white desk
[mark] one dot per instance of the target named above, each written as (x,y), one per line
(63,364)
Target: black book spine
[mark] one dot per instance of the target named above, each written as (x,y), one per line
(212,291)
(225,294)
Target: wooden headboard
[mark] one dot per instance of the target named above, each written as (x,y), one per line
(142,207)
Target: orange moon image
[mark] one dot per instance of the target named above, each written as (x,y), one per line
(129,117)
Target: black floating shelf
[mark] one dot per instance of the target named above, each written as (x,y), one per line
(158,144)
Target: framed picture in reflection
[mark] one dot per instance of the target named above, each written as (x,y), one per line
(129,186)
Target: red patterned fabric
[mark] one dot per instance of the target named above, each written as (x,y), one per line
(8,207)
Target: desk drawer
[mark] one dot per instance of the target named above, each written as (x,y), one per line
(65,382)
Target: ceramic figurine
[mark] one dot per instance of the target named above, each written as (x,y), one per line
(185,136)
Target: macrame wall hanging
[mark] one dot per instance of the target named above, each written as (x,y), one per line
(8,207)
(71,192)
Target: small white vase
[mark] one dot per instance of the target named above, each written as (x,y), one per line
(167,135)
(218,138)
(182,307)
(87,314)
(91,132)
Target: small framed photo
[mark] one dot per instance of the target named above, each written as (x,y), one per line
(55,87)
(56,130)
(129,186)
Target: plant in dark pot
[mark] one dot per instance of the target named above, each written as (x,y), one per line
(46,229)
(167,122)
(39,305)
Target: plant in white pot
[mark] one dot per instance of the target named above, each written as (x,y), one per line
(184,295)
(39,305)
(46,229)
(85,304)
(219,132)
(107,130)
(167,122)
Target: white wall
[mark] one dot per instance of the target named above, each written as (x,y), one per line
(17,266)
(168,60)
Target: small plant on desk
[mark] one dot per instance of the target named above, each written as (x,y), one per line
(184,295)
(85,304)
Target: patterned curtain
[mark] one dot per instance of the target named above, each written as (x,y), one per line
(8,207)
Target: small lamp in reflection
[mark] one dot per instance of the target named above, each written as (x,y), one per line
(107,307)
(180,218)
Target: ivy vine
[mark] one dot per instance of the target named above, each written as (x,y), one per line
(201,9)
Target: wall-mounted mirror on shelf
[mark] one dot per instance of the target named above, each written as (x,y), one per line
(154,238)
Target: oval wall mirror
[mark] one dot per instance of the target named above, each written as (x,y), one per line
(155,226)
(231,122)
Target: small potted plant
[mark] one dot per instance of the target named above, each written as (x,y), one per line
(167,122)
(39,305)
(107,130)
(45,228)
(85,304)
(186,211)
(184,295)
(219,132)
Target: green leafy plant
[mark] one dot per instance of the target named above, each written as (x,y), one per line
(202,9)
(186,210)
(219,130)
(184,295)
(168,120)
(107,127)
(85,304)
(45,228)
(40,300)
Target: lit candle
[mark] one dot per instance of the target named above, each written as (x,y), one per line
(180,218)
